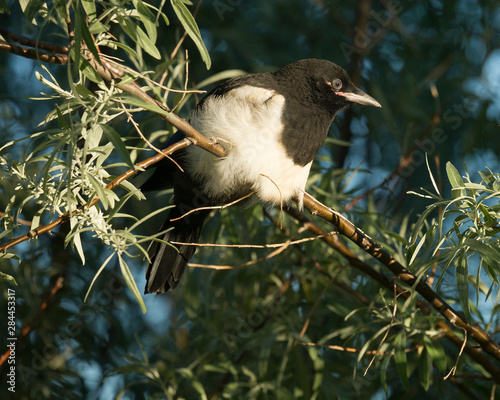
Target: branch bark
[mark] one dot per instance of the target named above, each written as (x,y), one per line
(33,54)
(363,241)
(476,353)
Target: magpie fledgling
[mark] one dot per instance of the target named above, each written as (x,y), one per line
(271,125)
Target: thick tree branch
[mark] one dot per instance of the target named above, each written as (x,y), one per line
(478,354)
(55,48)
(347,229)
(33,54)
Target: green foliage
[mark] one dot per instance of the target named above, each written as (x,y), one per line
(74,160)
(191,28)
(467,226)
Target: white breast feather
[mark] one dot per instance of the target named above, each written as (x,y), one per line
(255,157)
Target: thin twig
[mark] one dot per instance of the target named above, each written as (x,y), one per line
(212,208)
(257,246)
(277,187)
(353,350)
(452,371)
(130,119)
(19,220)
(393,317)
(248,263)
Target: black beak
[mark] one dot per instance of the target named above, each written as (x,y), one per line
(359,97)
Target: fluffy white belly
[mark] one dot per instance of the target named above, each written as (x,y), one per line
(256,159)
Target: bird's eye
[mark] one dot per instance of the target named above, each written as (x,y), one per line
(337,85)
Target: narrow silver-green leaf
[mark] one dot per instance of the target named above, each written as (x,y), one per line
(147,44)
(400,357)
(82,33)
(90,9)
(89,71)
(455,179)
(77,242)
(462,276)
(100,190)
(431,176)
(98,27)
(8,278)
(221,76)
(121,202)
(118,144)
(61,9)
(129,279)
(189,24)
(60,118)
(147,18)
(487,252)
(128,26)
(123,46)
(425,369)
(137,102)
(101,268)
(474,186)
(383,373)
(436,351)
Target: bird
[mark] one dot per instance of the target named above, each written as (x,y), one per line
(271,126)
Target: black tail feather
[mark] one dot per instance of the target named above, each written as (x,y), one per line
(168,262)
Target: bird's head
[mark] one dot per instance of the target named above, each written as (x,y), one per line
(326,84)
